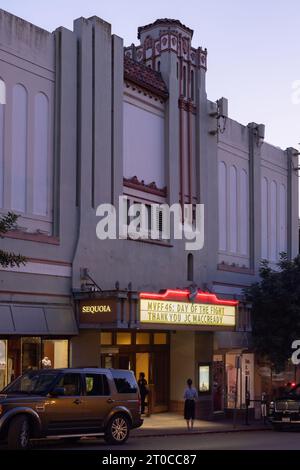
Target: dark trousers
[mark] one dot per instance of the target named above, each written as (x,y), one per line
(143,403)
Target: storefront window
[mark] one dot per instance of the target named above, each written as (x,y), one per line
(13,359)
(240,373)
(3,363)
(142,338)
(124,338)
(31,353)
(55,353)
(160,338)
(106,338)
(247,369)
(233,379)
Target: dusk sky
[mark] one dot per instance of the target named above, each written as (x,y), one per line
(253,48)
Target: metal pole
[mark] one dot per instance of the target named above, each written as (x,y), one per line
(236,389)
(247,399)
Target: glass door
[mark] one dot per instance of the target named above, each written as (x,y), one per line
(142,361)
(31,353)
(126,361)
(160,374)
(13,359)
(218,389)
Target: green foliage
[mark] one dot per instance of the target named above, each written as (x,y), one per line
(9,222)
(276,310)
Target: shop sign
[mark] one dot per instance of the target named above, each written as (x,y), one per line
(95,308)
(248,371)
(186,313)
(97,311)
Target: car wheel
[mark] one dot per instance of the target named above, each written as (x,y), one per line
(117,431)
(19,433)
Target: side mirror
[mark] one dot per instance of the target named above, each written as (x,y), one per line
(57,392)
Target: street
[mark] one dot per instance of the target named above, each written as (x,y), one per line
(253,440)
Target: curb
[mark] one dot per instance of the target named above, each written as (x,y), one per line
(169,432)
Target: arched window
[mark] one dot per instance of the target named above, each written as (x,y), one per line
(184,82)
(192,85)
(2,111)
(223,217)
(2,92)
(40,155)
(190,267)
(282,219)
(233,215)
(264,218)
(19,147)
(243,222)
(273,221)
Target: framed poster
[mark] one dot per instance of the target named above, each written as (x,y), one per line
(204,380)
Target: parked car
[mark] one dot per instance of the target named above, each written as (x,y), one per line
(69,403)
(285,411)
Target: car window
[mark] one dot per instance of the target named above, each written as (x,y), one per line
(71,383)
(125,381)
(96,385)
(32,382)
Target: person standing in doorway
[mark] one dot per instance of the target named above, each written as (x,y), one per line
(143,386)
(263,406)
(190,397)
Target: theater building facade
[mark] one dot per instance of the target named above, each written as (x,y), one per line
(107,121)
(37,318)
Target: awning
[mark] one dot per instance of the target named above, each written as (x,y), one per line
(37,320)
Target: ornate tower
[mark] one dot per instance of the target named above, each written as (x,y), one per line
(166,46)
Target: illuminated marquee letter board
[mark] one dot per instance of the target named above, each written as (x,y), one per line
(175,308)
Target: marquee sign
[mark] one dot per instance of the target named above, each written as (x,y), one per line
(174,308)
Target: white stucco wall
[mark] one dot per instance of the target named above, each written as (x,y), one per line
(26,122)
(274,202)
(233,180)
(234,192)
(144,141)
(182,362)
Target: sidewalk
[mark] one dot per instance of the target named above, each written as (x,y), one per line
(163,424)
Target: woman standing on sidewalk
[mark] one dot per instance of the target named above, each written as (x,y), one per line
(190,396)
(143,386)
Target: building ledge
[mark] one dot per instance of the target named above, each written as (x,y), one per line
(235,269)
(33,237)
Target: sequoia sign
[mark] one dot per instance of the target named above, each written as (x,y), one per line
(169,312)
(95,308)
(97,311)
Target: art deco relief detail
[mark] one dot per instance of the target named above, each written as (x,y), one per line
(173,42)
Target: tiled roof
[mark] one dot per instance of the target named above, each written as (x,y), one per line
(164,22)
(145,77)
